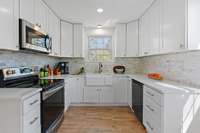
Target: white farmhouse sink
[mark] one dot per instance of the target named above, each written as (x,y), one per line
(98,79)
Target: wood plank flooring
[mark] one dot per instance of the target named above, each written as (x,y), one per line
(100,120)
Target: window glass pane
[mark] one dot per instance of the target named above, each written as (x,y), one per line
(100,48)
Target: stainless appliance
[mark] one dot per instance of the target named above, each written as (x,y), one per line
(64,67)
(52,95)
(137,99)
(32,38)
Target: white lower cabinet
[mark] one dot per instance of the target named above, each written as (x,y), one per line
(106,95)
(129,92)
(91,95)
(120,89)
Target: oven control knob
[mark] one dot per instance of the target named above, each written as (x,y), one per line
(8,72)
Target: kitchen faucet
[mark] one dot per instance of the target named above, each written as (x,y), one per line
(100,70)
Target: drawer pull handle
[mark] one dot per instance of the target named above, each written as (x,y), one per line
(149,125)
(32,103)
(34,120)
(150,93)
(149,107)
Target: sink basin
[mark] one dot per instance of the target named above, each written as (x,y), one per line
(98,79)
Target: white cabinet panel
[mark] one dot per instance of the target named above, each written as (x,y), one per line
(78,40)
(54,33)
(173,26)
(132,47)
(27,10)
(9,14)
(120,44)
(76,90)
(193,24)
(91,95)
(66,39)
(120,90)
(106,95)
(41,15)
(67,94)
(129,91)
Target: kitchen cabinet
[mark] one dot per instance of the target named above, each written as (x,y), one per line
(27,10)
(120,42)
(150,30)
(193,24)
(67,94)
(91,94)
(132,48)
(173,26)
(129,93)
(9,24)
(54,33)
(107,95)
(41,15)
(66,39)
(120,90)
(78,40)
(76,90)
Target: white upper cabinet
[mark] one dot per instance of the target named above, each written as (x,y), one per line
(193,24)
(41,15)
(27,10)
(66,39)
(173,27)
(9,26)
(78,40)
(150,30)
(120,41)
(132,48)
(54,33)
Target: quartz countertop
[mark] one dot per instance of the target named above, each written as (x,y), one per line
(18,93)
(163,86)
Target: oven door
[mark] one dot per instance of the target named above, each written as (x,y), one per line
(31,38)
(52,109)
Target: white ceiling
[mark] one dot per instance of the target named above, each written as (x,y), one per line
(84,11)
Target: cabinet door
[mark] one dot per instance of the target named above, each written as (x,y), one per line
(129,92)
(120,44)
(120,90)
(173,26)
(132,39)
(66,39)
(106,95)
(41,15)
(9,14)
(91,94)
(144,35)
(193,24)
(154,24)
(27,10)
(76,90)
(67,94)
(54,33)
(78,40)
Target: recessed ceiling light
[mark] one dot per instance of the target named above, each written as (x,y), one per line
(100,10)
(99,26)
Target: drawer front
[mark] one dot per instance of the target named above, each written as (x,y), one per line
(153,109)
(150,123)
(30,103)
(31,123)
(154,95)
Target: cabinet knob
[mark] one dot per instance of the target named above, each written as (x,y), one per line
(182,46)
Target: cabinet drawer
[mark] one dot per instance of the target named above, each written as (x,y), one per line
(153,108)
(31,123)
(150,123)
(155,96)
(30,103)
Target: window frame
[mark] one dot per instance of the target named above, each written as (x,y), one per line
(109,49)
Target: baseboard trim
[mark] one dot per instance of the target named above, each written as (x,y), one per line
(99,105)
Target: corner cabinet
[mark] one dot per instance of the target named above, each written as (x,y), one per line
(66,39)
(78,40)
(9,26)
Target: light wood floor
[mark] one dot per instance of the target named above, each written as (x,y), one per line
(100,120)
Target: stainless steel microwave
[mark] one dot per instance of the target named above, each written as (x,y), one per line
(33,39)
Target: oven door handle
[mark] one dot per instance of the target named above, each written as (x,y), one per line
(49,93)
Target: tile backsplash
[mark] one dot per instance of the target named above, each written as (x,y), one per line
(131,64)
(179,67)
(12,59)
